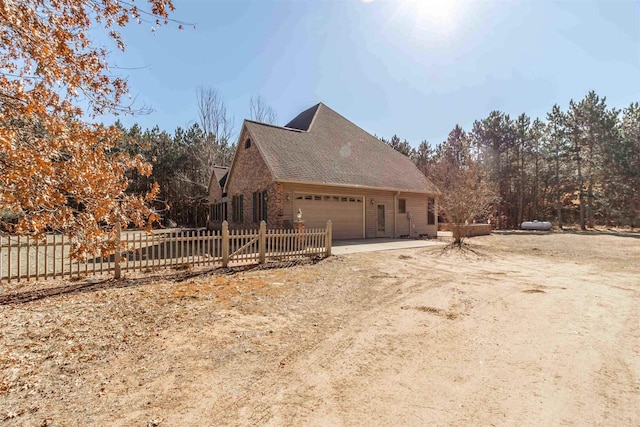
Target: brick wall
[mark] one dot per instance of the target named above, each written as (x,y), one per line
(215,193)
(250,174)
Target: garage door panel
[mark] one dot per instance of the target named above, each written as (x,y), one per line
(344,212)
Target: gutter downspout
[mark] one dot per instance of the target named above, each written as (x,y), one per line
(364,217)
(411,227)
(395,215)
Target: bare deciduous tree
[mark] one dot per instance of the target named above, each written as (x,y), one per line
(261,112)
(466,193)
(208,144)
(215,146)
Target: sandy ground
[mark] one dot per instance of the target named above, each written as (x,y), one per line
(526,329)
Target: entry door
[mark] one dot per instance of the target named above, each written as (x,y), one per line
(381,222)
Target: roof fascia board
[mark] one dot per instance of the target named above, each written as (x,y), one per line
(235,154)
(363,187)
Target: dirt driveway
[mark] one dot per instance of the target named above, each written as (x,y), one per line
(528,329)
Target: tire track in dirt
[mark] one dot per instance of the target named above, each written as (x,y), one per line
(317,379)
(380,289)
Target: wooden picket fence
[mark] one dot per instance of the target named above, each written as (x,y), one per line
(26,258)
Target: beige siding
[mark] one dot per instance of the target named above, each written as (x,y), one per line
(416,204)
(417,225)
(375,198)
(403,221)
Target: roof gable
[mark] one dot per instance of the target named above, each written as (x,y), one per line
(219,177)
(304,120)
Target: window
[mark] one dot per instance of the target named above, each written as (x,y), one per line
(237,206)
(402,205)
(431,211)
(260,206)
(247,143)
(219,212)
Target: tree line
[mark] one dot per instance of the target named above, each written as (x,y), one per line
(580,165)
(183,161)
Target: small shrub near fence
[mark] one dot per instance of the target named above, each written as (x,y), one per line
(26,258)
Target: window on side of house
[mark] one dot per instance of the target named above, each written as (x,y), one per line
(247,143)
(237,206)
(431,214)
(402,205)
(255,206)
(260,206)
(219,211)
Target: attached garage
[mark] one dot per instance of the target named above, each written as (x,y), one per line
(345,212)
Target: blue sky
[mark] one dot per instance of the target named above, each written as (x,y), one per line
(412,68)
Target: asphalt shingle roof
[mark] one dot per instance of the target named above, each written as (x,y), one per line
(220,173)
(321,146)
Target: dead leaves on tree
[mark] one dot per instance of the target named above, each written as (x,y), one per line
(56,171)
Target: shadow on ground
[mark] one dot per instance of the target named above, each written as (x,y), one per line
(98,284)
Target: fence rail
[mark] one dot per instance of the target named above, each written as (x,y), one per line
(27,258)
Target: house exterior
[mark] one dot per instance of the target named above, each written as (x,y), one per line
(329,168)
(217,196)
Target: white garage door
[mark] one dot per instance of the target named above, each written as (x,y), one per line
(345,213)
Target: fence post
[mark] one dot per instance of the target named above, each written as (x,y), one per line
(329,238)
(262,242)
(225,244)
(117,256)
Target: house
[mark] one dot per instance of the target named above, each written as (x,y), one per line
(331,169)
(217,196)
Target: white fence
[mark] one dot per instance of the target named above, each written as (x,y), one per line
(26,258)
